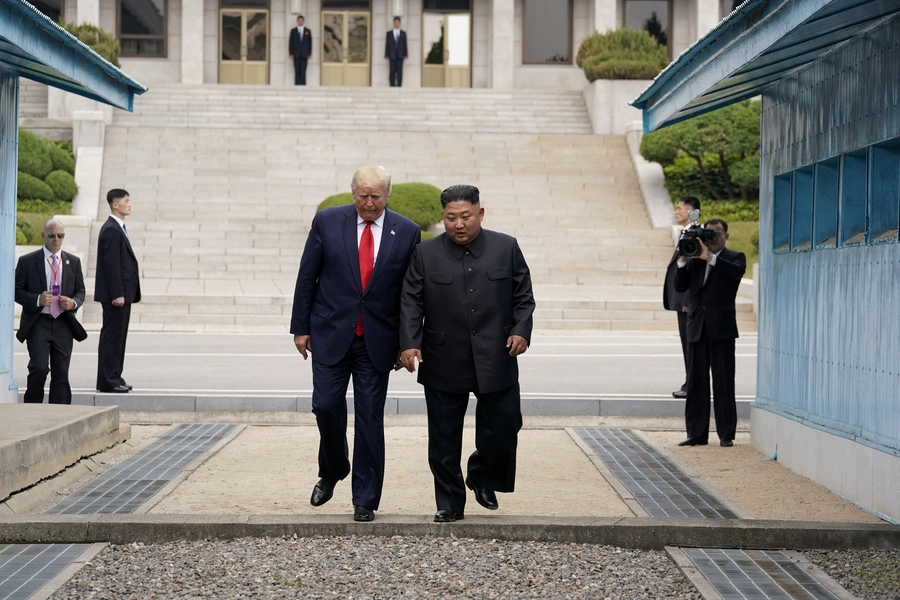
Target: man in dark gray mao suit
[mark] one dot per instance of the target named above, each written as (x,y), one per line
(465,314)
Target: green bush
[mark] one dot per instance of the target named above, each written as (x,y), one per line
(418,202)
(33,156)
(729,210)
(32,188)
(62,184)
(621,54)
(21,238)
(44,207)
(99,40)
(61,159)
(27,229)
(754,239)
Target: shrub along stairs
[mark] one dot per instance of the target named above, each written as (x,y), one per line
(225,180)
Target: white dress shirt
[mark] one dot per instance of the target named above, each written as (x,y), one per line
(48,275)
(377,230)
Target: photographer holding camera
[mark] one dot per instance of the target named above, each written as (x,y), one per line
(710,274)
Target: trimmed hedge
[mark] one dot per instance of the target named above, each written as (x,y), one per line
(32,188)
(728,210)
(23,226)
(45,207)
(62,184)
(61,159)
(418,202)
(34,159)
(621,54)
(99,40)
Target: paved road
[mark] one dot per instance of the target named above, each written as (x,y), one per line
(558,365)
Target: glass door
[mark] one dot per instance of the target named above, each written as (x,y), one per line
(346,42)
(446,40)
(244,46)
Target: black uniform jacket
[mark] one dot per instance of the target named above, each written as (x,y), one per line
(460,304)
(711,306)
(117,267)
(31,280)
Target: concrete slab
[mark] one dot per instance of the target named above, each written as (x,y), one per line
(40,440)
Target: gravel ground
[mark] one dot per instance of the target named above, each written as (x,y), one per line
(376,567)
(868,574)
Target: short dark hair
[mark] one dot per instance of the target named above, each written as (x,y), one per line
(397,19)
(717,222)
(301,17)
(115,194)
(455,193)
(691,201)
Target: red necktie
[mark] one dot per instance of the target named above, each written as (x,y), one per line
(366,263)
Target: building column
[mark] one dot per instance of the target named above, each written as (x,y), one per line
(503,22)
(191,41)
(87,11)
(606,16)
(707,12)
(9,144)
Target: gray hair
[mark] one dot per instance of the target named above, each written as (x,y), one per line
(371,176)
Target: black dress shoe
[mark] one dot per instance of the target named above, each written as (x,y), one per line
(119,389)
(726,443)
(679,394)
(322,492)
(448,516)
(361,513)
(693,442)
(125,385)
(486,498)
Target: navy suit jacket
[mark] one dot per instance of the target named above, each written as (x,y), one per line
(328,297)
(298,47)
(394,49)
(711,305)
(31,281)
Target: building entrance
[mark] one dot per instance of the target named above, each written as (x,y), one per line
(244,46)
(446,48)
(346,43)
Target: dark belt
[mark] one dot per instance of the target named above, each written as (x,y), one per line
(46,316)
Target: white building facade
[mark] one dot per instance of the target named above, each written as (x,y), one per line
(502,44)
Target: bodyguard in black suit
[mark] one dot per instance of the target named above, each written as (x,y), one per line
(50,288)
(118,286)
(395,50)
(674,300)
(300,49)
(465,315)
(711,280)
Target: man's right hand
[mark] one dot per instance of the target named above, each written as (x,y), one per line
(409,357)
(45,299)
(120,301)
(303,345)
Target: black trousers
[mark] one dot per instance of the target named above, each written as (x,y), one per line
(49,352)
(498,419)
(396,72)
(300,70)
(329,404)
(682,333)
(111,346)
(717,356)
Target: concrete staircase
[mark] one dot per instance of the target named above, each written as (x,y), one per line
(225,180)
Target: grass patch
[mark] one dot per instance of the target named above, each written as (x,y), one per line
(739,233)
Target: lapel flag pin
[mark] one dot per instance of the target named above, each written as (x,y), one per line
(392,232)
(67,262)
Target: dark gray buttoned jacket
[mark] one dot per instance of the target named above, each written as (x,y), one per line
(460,304)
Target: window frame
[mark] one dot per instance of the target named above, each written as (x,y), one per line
(670,22)
(570,43)
(165,34)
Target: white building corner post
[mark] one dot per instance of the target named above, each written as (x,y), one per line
(192,42)
(503,19)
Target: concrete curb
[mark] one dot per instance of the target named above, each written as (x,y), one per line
(639,533)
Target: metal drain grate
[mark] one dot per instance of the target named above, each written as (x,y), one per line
(756,574)
(26,568)
(125,487)
(661,488)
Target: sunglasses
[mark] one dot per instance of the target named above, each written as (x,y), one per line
(55,235)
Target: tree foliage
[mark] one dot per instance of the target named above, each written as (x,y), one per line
(719,149)
(621,54)
(99,40)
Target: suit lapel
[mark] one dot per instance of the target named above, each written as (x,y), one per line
(66,275)
(351,245)
(387,245)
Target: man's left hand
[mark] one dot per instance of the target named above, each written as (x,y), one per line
(517,345)
(66,303)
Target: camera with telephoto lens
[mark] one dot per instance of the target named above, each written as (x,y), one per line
(693,235)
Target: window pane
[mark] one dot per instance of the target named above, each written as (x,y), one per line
(358,44)
(825,207)
(257,36)
(884,192)
(801,219)
(449,5)
(332,37)
(649,15)
(231,36)
(142,47)
(458,40)
(433,38)
(346,4)
(853,198)
(142,17)
(546,35)
(51,8)
(781,227)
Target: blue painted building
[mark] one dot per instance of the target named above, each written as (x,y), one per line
(828,71)
(34,47)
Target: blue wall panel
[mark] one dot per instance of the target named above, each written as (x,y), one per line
(9,143)
(829,320)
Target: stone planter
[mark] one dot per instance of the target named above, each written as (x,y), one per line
(607,104)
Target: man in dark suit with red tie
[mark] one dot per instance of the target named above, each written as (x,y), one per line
(118,286)
(395,50)
(346,314)
(711,280)
(50,288)
(300,49)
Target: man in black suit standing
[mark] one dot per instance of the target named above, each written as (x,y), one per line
(50,288)
(711,279)
(677,301)
(118,286)
(300,49)
(395,51)
(465,315)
